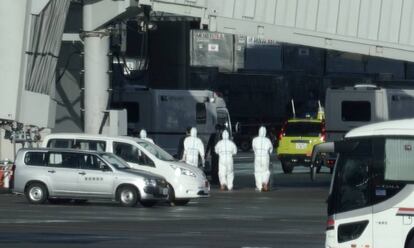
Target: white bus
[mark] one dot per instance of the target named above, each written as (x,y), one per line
(371,198)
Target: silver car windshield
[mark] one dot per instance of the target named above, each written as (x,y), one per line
(115,161)
(156,151)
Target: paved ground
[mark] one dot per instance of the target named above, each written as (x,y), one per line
(292,215)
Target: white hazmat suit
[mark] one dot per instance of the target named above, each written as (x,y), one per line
(226,148)
(143,135)
(262,147)
(193,148)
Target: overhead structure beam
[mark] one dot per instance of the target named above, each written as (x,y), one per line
(371,27)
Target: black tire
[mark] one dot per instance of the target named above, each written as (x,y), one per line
(318,168)
(313,171)
(148,204)
(127,196)
(287,167)
(331,170)
(171,194)
(181,202)
(36,193)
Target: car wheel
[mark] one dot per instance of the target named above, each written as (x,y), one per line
(171,194)
(148,204)
(318,168)
(36,193)
(181,202)
(313,171)
(287,167)
(245,146)
(128,196)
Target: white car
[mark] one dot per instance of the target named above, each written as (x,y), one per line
(186,182)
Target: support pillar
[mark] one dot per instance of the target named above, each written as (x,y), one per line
(96,63)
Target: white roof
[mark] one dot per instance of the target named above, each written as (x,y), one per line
(90,136)
(399,127)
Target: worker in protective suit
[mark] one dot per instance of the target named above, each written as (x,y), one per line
(225,149)
(262,147)
(143,135)
(193,149)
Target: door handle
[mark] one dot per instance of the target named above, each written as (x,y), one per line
(82,173)
(51,171)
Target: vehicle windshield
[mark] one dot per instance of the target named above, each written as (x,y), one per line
(309,129)
(351,181)
(115,161)
(156,151)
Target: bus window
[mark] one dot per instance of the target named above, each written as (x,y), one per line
(352,180)
(201,113)
(399,157)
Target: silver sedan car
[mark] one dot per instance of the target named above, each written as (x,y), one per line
(53,174)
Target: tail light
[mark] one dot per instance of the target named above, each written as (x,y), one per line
(323,133)
(282,131)
(330,223)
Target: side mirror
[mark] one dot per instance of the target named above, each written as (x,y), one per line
(237,127)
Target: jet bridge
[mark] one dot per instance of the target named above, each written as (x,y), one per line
(383,28)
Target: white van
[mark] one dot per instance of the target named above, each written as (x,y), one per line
(186,181)
(165,114)
(350,107)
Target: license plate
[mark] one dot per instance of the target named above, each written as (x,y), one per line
(301,146)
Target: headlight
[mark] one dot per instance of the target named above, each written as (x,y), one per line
(181,171)
(150,182)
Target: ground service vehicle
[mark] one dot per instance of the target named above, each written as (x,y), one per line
(374,104)
(165,114)
(371,199)
(186,182)
(296,141)
(53,174)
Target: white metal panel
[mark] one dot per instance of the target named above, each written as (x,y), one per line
(369,19)
(348,17)
(407,23)
(265,11)
(245,9)
(390,20)
(286,12)
(221,8)
(328,16)
(307,11)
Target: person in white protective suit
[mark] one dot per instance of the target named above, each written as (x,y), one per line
(143,135)
(262,147)
(193,149)
(226,148)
